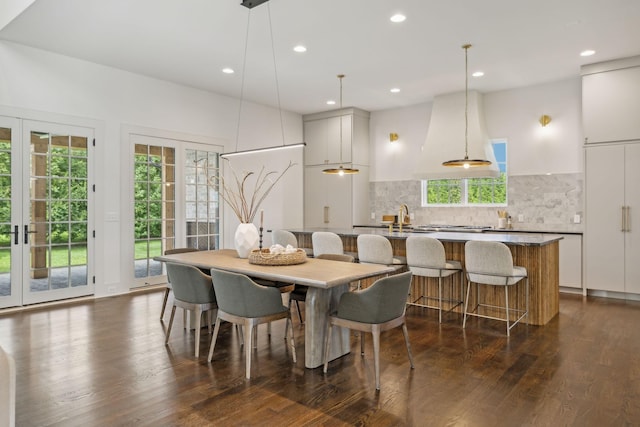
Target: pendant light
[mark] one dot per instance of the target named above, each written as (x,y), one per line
(466,162)
(250,4)
(341,170)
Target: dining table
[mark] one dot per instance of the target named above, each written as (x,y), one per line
(326,280)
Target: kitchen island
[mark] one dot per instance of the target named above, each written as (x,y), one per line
(537,252)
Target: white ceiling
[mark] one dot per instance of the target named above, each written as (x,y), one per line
(516,43)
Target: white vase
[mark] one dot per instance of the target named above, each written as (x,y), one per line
(246,239)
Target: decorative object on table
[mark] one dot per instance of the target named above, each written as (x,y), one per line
(261,227)
(278,255)
(245,201)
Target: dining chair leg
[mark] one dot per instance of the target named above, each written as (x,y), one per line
(164,302)
(198,316)
(361,343)
(209,320)
(440,298)
(299,314)
(240,335)
(293,342)
(173,312)
(375,332)
(248,335)
(216,329)
(406,340)
(466,305)
(327,345)
(506,305)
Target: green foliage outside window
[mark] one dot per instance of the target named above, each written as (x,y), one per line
(471,191)
(148,196)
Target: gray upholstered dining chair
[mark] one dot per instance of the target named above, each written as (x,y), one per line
(167,289)
(192,290)
(378,308)
(426,258)
(7,389)
(243,302)
(299,293)
(491,263)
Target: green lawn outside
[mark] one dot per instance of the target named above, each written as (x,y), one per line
(59,254)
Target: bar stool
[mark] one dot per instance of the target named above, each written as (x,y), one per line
(426,258)
(284,238)
(491,263)
(376,249)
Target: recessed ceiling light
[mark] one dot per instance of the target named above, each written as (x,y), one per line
(300,48)
(394,90)
(478,74)
(398,17)
(587,52)
(331,102)
(228,70)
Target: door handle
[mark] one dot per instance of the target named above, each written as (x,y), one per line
(624,217)
(26,234)
(326,214)
(627,220)
(15,233)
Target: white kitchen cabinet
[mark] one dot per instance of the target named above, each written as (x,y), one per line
(322,135)
(612,227)
(570,274)
(611,100)
(335,201)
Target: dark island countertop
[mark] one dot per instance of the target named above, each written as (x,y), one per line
(523,239)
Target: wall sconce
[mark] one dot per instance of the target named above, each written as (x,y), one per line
(393,137)
(544,120)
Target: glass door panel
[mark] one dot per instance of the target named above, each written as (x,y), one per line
(201,199)
(154,208)
(57,230)
(10,220)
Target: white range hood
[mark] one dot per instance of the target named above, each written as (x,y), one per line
(445,139)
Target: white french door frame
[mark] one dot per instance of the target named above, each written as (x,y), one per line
(28,296)
(180,141)
(16,251)
(21,126)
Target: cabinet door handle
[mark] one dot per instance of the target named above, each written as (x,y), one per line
(624,217)
(627,220)
(326,214)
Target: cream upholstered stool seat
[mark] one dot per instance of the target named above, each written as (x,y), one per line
(284,238)
(376,249)
(491,263)
(426,258)
(378,308)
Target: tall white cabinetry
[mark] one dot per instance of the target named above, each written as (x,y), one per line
(611,120)
(330,200)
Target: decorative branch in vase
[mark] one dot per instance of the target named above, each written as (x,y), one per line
(245,200)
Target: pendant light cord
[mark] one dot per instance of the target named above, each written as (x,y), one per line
(466,102)
(244,65)
(340,76)
(275,70)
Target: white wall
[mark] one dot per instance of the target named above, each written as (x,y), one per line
(511,114)
(38,83)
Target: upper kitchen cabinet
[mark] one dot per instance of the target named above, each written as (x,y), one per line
(611,100)
(322,133)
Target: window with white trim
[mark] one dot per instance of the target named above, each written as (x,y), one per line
(470,191)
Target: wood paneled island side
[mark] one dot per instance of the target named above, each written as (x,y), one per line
(537,252)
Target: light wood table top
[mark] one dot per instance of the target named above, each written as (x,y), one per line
(318,273)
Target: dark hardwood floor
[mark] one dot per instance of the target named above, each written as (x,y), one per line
(104,363)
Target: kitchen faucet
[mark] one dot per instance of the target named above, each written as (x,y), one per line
(403,217)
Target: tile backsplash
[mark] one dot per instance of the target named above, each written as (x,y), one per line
(544,202)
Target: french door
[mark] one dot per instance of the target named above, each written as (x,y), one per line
(46,232)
